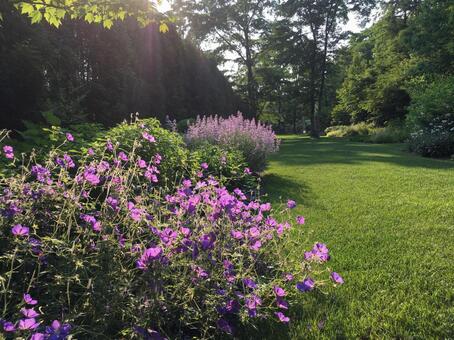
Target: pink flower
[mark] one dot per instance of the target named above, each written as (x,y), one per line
(300,220)
(148,137)
(282,317)
(29,300)
(279,291)
(29,313)
(19,230)
(9,151)
(291,204)
(69,137)
(25,324)
(204,166)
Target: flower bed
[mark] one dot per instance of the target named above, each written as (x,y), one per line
(94,246)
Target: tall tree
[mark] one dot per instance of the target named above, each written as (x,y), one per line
(316,23)
(232,27)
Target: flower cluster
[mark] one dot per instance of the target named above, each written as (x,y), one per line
(29,325)
(105,246)
(254,139)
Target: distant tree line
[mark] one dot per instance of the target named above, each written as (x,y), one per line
(85,72)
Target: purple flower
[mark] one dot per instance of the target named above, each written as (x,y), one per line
(224,326)
(123,156)
(281,303)
(207,241)
(279,291)
(91,152)
(20,230)
(249,283)
(300,220)
(204,166)
(291,204)
(41,173)
(25,324)
(8,151)
(247,171)
(29,313)
(256,245)
(252,303)
(337,278)
(148,137)
(91,176)
(69,137)
(148,256)
(288,277)
(141,163)
(38,336)
(319,252)
(282,317)
(9,327)
(29,300)
(306,286)
(134,213)
(109,146)
(236,234)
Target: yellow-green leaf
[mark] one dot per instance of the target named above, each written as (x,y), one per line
(36,17)
(163,28)
(27,8)
(107,23)
(89,17)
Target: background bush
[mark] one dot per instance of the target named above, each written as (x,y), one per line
(431,118)
(255,140)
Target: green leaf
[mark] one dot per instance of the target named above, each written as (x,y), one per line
(27,8)
(89,18)
(107,23)
(36,17)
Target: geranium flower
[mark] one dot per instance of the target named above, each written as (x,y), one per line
(300,220)
(69,137)
(204,166)
(281,303)
(291,204)
(148,256)
(305,286)
(9,327)
(337,278)
(20,230)
(29,300)
(282,317)
(279,291)
(148,137)
(8,151)
(123,156)
(25,324)
(29,313)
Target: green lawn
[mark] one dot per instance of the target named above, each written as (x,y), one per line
(388,218)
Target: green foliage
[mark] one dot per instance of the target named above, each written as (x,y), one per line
(177,160)
(102,12)
(228,165)
(357,130)
(431,117)
(182,125)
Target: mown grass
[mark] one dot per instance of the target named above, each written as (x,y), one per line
(388,218)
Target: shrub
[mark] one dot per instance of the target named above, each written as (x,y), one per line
(255,140)
(436,140)
(393,133)
(156,140)
(356,130)
(96,244)
(229,166)
(431,118)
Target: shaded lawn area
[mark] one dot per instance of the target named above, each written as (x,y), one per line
(388,218)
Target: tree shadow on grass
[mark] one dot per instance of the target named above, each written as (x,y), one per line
(309,318)
(306,151)
(279,189)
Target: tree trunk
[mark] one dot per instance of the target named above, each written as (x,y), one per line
(251,93)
